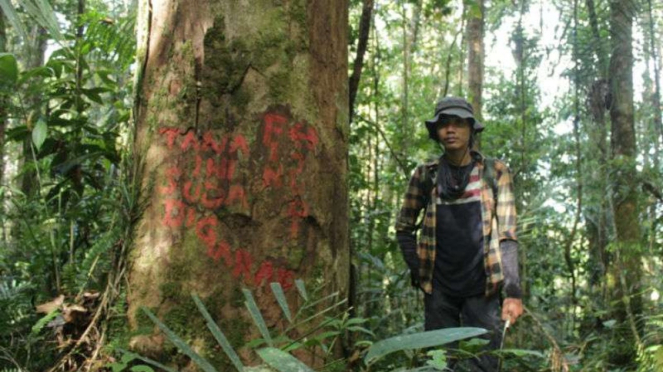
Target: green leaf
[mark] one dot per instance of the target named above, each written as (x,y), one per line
(473,345)
(94,94)
(255,343)
(8,69)
(361,329)
(320,313)
(39,134)
(41,323)
(257,316)
(41,71)
(280,298)
(142,368)
(301,288)
(420,340)
(9,13)
(147,360)
(44,15)
(609,323)
(327,334)
(520,352)
(218,335)
(180,344)
(116,367)
(282,361)
(439,359)
(353,321)
(366,343)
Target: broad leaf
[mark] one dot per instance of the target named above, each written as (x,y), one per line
(301,288)
(282,361)
(257,316)
(9,13)
(39,134)
(219,336)
(280,298)
(420,340)
(8,69)
(180,344)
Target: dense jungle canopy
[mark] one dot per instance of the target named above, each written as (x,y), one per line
(213,185)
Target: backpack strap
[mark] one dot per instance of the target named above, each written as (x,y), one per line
(489,175)
(428,174)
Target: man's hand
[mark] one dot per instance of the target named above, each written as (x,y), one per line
(512,308)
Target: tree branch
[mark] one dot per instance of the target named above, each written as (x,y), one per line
(386,141)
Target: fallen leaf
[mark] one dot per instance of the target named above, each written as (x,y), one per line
(91,295)
(72,313)
(50,306)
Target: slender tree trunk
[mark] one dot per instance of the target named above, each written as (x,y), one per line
(601,55)
(656,97)
(519,53)
(576,134)
(449,56)
(598,95)
(242,130)
(416,22)
(4,106)
(598,101)
(406,72)
(475,55)
(650,94)
(362,44)
(627,259)
(461,58)
(35,52)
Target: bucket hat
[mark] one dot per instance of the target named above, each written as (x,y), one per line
(452,106)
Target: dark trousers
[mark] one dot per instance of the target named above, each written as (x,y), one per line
(444,311)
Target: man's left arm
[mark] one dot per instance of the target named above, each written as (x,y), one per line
(512,307)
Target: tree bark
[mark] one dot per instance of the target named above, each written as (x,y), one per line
(241,143)
(364,32)
(627,226)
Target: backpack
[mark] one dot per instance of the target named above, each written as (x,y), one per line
(429,176)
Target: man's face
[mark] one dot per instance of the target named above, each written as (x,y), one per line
(454,133)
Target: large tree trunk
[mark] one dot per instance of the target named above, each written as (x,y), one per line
(242,125)
(625,293)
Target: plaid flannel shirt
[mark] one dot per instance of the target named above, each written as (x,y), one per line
(498,216)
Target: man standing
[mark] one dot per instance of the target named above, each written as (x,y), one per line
(467,250)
